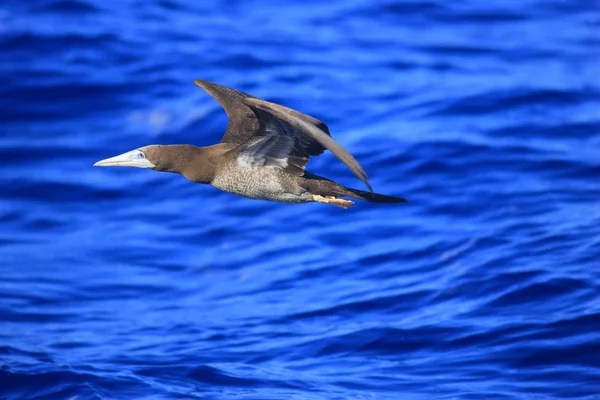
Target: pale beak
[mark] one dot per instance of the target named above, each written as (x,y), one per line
(134,158)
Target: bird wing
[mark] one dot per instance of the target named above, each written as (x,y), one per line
(243,123)
(303,129)
(274,135)
(272,150)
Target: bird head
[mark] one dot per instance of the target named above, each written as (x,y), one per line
(144,157)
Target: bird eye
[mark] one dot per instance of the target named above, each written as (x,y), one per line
(141,155)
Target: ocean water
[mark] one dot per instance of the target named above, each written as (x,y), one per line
(133,284)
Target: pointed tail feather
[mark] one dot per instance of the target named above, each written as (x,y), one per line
(373,197)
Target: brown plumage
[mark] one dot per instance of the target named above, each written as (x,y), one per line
(262,155)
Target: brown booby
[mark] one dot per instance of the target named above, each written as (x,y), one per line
(262,155)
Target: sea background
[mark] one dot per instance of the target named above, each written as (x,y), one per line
(133,284)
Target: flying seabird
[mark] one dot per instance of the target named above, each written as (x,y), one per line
(262,155)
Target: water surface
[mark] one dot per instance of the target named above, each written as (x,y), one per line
(133,284)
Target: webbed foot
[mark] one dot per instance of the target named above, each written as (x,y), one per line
(332,200)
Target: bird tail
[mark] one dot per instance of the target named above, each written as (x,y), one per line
(372,197)
(318,185)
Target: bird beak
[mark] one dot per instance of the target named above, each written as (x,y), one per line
(134,158)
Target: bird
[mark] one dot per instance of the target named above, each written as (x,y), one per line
(262,155)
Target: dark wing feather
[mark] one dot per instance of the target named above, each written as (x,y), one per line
(250,117)
(311,131)
(311,147)
(272,151)
(243,122)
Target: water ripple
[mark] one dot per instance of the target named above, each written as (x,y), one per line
(135,284)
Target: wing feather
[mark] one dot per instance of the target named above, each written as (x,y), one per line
(312,132)
(274,135)
(242,121)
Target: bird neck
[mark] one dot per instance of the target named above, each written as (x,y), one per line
(198,164)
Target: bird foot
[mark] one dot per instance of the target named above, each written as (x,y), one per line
(332,200)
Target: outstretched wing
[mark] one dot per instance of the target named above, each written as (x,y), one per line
(243,123)
(272,150)
(274,135)
(303,128)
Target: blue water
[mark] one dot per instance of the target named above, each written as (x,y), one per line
(133,284)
